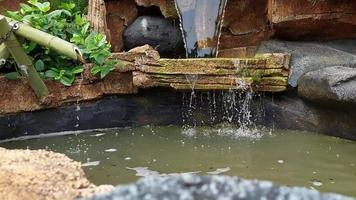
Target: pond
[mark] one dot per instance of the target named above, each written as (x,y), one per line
(119,156)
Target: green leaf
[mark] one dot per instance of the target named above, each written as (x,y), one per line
(99,59)
(77,70)
(96,69)
(77,39)
(59,75)
(25,8)
(67,6)
(39,65)
(12,75)
(67,81)
(51,73)
(14,15)
(104,72)
(85,28)
(57,13)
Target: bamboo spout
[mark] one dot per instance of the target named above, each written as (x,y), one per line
(44,39)
(23,61)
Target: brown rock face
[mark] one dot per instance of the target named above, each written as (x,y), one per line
(313,19)
(42,175)
(245,24)
(119,15)
(167,7)
(10,5)
(21,93)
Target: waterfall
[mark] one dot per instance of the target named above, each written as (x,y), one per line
(201,23)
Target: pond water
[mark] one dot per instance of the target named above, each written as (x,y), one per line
(119,156)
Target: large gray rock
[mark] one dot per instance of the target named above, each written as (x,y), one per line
(331,85)
(311,56)
(288,111)
(158,32)
(192,187)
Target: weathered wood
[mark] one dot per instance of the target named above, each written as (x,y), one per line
(97,16)
(206,82)
(23,61)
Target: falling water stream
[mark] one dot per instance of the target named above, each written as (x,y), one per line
(201,22)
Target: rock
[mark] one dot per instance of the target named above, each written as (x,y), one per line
(191,187)
(308,56)
(288,111)
(115,83)
(313,19)
(10,5)
(344,45)
(158,32)
(167,7)
(251,28)
(330,85)
(40,174)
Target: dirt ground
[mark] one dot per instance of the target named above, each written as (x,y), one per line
(43,175)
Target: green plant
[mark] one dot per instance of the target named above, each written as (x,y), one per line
(69,25)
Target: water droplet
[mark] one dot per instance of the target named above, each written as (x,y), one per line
(110,150)
(90,164)
(317,183)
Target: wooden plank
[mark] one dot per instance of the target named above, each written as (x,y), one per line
(206,82)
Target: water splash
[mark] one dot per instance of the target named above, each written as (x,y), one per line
(79,94)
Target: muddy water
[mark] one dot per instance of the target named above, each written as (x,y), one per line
(285,157)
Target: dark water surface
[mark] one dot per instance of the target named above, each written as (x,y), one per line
(291,158)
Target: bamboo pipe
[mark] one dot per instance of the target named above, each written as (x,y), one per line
(23,61)
(4,53)
(44,39)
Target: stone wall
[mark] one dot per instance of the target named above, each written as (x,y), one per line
(248,22)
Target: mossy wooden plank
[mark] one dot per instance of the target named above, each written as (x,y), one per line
(262,61)
(205,79)
(264,72)
(227,87)
(211,71)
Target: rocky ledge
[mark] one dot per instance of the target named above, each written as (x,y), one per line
(27,174)
(190,186)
